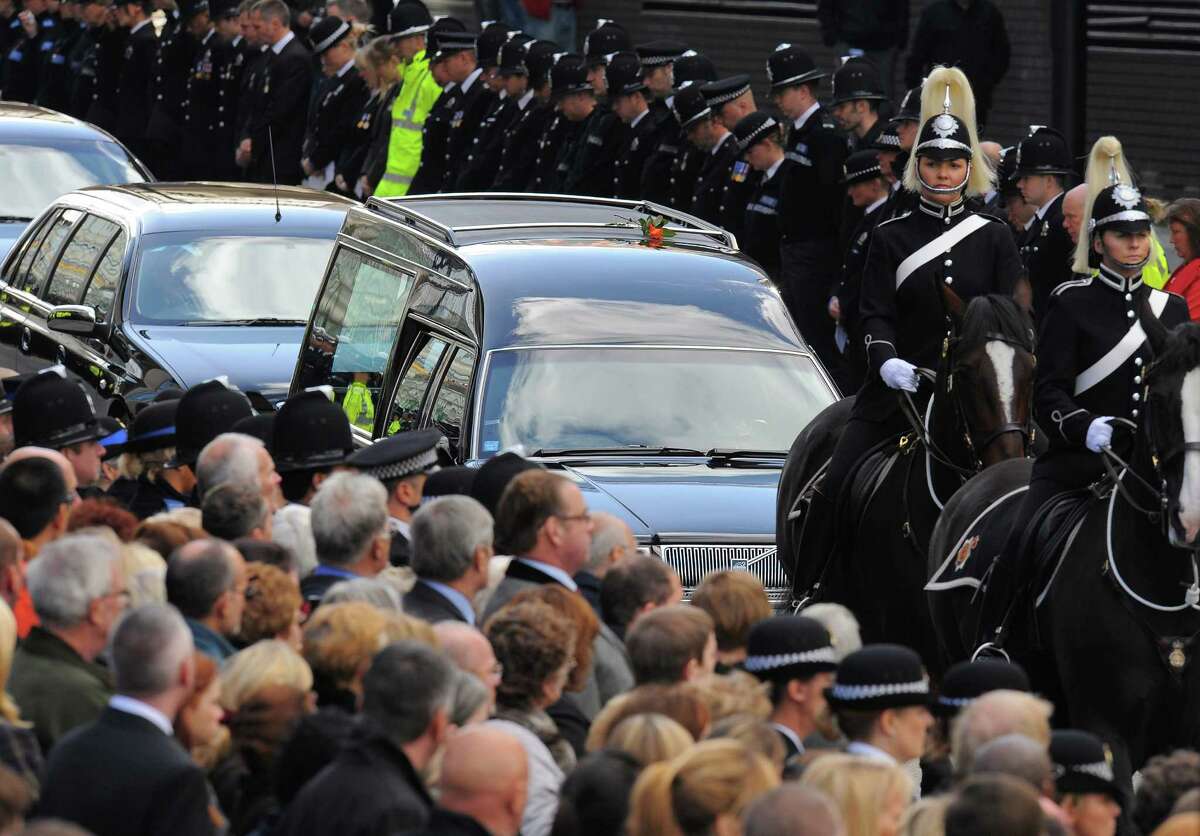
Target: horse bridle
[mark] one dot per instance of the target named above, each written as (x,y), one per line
(1026,429)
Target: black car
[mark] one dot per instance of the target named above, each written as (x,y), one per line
(663,374)
(44,154)
(140,287)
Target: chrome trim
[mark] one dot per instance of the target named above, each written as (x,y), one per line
(693,561)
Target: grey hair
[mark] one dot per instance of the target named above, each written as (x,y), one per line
(348,512)
(445,534)
(608,533)
(149,645)
(230,458)
(470,695)
(68,575)
(233,510)
(841,624)
(372,591)
(407,684)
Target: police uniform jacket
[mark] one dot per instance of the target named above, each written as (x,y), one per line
(359,141)
(853,264)
(435,136)
(81,82)
(54,90)
(254,65)
(465,124)
(379,122)
(742,182)
(134,85)
(23,64)
(1047,250)
(904,315)
(640,143)
(340,101)
(284,90)
(850,214)
(710,196)
(657,172)
(593,154)
(553,159)
(209,109)
(761,235)
(900,202)
(173,64)
(110,56)
(814,192)
(520,151)
(10,32)
(1078,379)
(685,175)
(483,158)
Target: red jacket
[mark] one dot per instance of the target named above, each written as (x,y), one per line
(1186,282)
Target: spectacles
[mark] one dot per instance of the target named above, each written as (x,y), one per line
(584,517)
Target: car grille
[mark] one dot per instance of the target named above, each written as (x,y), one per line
(693,562)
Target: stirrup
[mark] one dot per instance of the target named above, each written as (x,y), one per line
(989,650)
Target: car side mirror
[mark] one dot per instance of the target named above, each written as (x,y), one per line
(79,320)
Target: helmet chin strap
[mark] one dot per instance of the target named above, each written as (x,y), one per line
(1126,266)
(961,187)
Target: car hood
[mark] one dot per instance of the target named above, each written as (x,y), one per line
(667,500)
(255,358)
(9,233)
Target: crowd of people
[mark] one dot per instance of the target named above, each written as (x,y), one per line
(216,622)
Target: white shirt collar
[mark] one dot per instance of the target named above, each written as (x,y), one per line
(791,735)
(639,118)
(469,80)
(720,144)
(345,68)
(237,39)
(866,750)
(138,25)
(208,36)
(1029,222)
(129,705)
(1045,207)
(278,46)
(803,117)
(896,186)
(770,172)
(460,601)
(400,527)
(875,205)
(553,571)
(524,101)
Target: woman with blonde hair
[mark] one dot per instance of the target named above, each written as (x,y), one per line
(377,63)
(701,792)
(19,749)
(872,795)
(339,642)
(650,738)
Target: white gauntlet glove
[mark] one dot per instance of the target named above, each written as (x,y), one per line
(1099,434)
(899,374)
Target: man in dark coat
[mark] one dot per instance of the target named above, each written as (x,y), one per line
(126,774)
(34,32)
(177,48)
(629,96)
(374,784)
(1043,162)
(281,111)
(341,96)
(457,51)
(452,545)
(528,85)
(136,76)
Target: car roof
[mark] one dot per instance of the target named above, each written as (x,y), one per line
(169,207)
(19,121)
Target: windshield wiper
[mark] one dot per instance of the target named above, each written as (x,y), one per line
(628,450)
(728,454)
(14,219)
(262,320)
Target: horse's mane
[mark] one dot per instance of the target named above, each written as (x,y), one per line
(995,314)
(1180,354)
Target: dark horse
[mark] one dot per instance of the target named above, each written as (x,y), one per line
(978,415)
(1119,615)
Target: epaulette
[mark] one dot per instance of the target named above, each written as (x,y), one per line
(1084,282)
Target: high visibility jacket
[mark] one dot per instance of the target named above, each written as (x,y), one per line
(418,92)
(1156,272)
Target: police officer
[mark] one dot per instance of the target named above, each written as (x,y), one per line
(608,37)
(1083,767)
(457,50)
(416,157)
(593,152)
(495,43)
(52,411)
(311,436)
(83,56)
(205,411)
(730,100)
(902,307)
(718,150)
(1090,361)
(435,137)
(209,104)
(176,55)
(37,29)
(54,90)
(868,190)
(249,97)
(1043,163)
(627,93)
(658,65)
(857,96)
(155,488)
(136,76)
(691,69)
(760,140)
(526,69)
(401,462)
(341,96)
(573,99)
(811,199)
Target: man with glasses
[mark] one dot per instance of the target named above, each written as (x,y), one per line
(79,593)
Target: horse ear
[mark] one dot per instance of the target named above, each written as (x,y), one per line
(954,305)
(1156,332)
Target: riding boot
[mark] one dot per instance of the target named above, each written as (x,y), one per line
(816,541)
(1000,593)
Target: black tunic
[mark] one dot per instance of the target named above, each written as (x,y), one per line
(640,142)
(435,136)
(685,175)
(23,64)
(761,234)
(850,288)
(134,83)
(280,113)
(658,170)
(711,197)
(465,123)
(209,111)
(593,153)
(58,75)
(483,158)
(340,102)
(553,161)
(110,55)
(173,64)
(519,155)
(814,192)
(1047,250)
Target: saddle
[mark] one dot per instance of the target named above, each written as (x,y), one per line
(1050,534)
(865,478)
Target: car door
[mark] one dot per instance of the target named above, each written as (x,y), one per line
(450,403)
(83,355)
(13,305)
(352,333)
(36,350)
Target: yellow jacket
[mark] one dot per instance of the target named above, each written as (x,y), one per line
(418,92)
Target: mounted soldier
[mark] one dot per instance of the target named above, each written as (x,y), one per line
(1091,360)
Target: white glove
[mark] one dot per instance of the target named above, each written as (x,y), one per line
(1099,434)
(899,374)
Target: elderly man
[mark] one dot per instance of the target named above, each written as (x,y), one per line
(350,529)
(206,580)
(78,592)
(1072,211)
(374,785)
(470,650)
(232,511)
(993,715)
(125,774)
(452,545)
(612,542)
(238,459)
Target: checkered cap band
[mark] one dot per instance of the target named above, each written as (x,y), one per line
(870,692)
(755,664)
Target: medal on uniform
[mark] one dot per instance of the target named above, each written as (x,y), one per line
(740,170)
